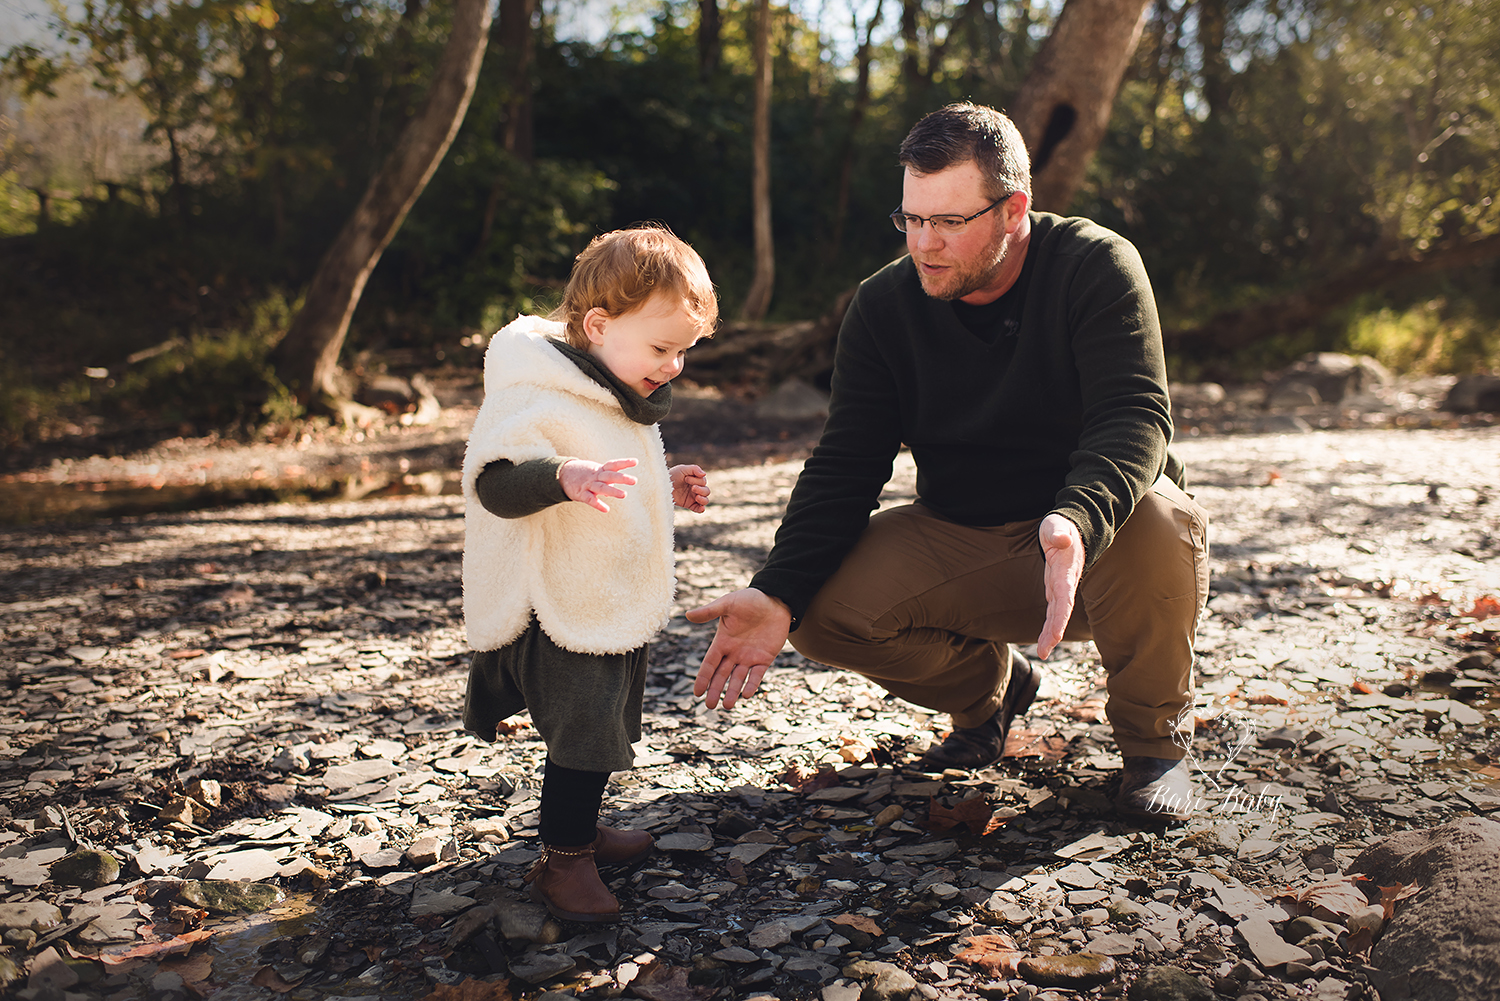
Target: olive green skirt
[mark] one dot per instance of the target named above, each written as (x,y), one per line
(587,707)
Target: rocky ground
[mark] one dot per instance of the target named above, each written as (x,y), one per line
(253,713)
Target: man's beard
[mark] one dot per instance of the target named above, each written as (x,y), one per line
(960,282)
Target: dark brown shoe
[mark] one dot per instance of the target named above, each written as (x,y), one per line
(567,882)
(983,745)
(614,847)
(1159,789)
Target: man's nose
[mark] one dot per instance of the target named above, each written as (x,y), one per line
(924,237)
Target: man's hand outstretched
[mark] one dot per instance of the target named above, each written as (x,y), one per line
(752,629)
(1062,545)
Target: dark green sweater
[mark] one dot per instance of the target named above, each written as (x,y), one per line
(1057,404)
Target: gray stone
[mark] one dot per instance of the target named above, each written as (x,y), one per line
(883,982)
(1076,972)
(37,915)
(524,920)
(793,400)
(1326,377)
(430,851)
(685,842)
(87,868)
(540,967)
(1447,936)
(735,954)
(1474,394)
(1270,948)
(342,777)
(440,902)
(223,896)
(1167,983)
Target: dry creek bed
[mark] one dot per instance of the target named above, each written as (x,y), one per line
(267,696)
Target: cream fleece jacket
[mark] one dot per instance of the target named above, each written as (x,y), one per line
(598,583)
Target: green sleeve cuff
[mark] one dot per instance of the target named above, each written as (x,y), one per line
(509,490)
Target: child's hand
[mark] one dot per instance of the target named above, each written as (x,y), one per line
(689,487)
(590,482)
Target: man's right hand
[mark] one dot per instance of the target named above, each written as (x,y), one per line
(752,629)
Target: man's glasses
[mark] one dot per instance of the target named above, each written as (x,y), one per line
(943,225)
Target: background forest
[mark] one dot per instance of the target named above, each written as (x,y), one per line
(1297,174)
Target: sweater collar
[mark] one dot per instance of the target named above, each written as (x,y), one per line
(641,409)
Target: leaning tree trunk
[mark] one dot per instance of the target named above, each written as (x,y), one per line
(1066,99)
(307,358)
(758,300)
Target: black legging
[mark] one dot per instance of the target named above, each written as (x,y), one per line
(570,805)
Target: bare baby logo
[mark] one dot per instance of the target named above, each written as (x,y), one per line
(1212,736)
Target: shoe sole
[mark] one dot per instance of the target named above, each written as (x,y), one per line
(541,898)
(1015,706)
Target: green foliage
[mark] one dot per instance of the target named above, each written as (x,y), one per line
(221,379)
(1436,336)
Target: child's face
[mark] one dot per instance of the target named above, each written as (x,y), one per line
(645,347)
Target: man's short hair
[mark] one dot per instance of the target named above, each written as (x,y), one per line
(620,270)
(965,131)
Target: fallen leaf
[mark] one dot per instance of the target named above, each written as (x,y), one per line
(974,812)
(660,982)
(267,977)
(856,749)
(995,954)
(1045,744)
(796,776)
(471,990)
(1360,941)
(1389,895)
(860,921)
(373,951)
(1362,687)
(191,969)
(179,943)
(1335,898)
(1087,711)
(1484,608)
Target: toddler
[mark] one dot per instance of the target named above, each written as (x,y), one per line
(567,575)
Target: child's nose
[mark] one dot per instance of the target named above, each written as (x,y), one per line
(673,367)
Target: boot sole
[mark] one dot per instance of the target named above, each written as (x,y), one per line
(541,898)
(1016,703)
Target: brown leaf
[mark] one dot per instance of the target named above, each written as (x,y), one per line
(179,943)
(267,976)
(1089,711)
(1336,898)
(860,921)
(660,982)
(974,813)
(191,969)
(1360,941)
(800,779)
(1484,608)
(471,990)
(1389,895)
(856,749)
(1044,744)
(1362,687)
(995,954)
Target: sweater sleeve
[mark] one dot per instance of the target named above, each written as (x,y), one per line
(841,481)
(511,490)
(1127,423)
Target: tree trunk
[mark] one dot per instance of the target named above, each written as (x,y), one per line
(708,38)
(307,358)
(846,155)
(1066,100)
(758,300)
(1212,19)
(1237,328)
(518,42)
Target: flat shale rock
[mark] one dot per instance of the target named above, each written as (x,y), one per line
(87,868)
(1167,983)
(1447,936)
(223,896)
(1076,972)
(37,915)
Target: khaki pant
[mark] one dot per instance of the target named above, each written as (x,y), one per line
(926,607)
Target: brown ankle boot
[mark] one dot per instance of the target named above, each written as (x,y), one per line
(614,847)
(567,882)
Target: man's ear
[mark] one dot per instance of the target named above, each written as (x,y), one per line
(1015,210)
(594,322)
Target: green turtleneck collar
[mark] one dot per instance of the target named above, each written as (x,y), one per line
(641,409)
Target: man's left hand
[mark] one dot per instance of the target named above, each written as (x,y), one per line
(1062,545)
